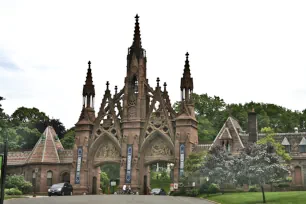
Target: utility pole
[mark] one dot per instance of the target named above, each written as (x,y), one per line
(3,170)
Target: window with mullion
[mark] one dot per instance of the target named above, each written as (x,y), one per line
(49,178)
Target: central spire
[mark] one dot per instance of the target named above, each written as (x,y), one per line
(137,39)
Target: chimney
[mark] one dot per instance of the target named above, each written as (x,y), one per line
(252,127)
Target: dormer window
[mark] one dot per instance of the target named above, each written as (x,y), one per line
(287,145)
(303,145)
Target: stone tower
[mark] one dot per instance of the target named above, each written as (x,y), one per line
(135,127)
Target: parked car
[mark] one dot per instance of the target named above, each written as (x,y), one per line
(158,191)
(60,189)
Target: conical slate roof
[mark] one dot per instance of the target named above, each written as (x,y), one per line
(46,149)
(285,141)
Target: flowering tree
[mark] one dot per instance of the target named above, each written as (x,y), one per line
(257,165)
(218,165)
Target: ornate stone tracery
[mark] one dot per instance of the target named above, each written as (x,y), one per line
(159,148)
(107,150)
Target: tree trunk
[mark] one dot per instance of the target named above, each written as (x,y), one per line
(263,194)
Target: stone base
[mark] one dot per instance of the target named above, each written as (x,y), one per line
(80,190)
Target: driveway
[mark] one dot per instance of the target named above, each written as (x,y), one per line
(108,199)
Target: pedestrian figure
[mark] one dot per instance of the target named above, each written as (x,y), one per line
(124,189)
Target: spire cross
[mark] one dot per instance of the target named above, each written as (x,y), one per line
(89,63)
(157,80)
(136,17)
(107,84)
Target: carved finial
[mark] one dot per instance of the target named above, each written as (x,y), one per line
(107,85)
(165,87)
(157,80)
(89,63)
(116,89)
(137,39)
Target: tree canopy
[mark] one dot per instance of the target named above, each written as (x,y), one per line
(212,112)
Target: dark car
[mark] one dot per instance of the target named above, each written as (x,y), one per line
(60,189)
(158,191)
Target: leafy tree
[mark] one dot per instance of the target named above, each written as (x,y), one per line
(271,142)
(68,139)
(28,137)
(58,126)
(28,115)
(194,162)
(206,131)
(217,166)
(104,181)
(257,166)
(112,170)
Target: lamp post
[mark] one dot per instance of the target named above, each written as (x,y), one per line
(3,170)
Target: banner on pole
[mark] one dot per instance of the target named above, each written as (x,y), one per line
(78,169)
(128,177)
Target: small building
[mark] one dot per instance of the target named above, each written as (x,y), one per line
(46,164)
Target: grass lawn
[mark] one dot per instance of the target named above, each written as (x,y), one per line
(10,197)
(291,197)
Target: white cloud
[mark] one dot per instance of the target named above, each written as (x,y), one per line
(239,50)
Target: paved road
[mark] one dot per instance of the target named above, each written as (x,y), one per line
(108,199)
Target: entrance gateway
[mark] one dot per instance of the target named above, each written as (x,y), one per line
(135,126)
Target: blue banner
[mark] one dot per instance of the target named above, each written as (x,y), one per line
(78,167)
(128,177)
(182,159)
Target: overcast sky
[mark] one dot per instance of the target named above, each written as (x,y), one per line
(241,51)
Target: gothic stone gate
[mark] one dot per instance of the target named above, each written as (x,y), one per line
(134,127)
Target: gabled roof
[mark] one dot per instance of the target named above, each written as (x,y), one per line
(230,129)
(285,141)
(46,149)
(303,141)
(225,135)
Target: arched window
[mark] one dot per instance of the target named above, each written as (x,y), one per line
(49,178)
(33,178)
(66,177)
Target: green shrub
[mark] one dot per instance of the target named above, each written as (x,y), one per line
(12,191)
(213,188)
(193,192)
(253,189)
(283,185)
(203,188)
(180,192)
(17,181)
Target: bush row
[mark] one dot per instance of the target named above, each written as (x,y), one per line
(12,191)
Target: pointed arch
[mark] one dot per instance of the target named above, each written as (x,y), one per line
(94,147)
(153,136)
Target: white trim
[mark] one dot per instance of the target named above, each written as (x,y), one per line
(54,145)
(236,132)
(43,156)
(217,135)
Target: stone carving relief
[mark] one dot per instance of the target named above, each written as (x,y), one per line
(108,150)
(159,148)
(123,161)
(295,147)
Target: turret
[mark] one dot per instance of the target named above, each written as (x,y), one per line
(88,90)
(186,82)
